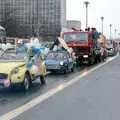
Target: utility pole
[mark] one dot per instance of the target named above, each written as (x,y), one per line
(86,5)
(115,33)
(37,21)
(33,19)
(110,30)
(102,27)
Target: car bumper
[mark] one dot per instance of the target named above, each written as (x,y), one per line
(60,68)
(110,53)
(4,83)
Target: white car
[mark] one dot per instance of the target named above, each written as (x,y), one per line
(7,46)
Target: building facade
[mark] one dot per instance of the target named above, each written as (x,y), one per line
(73,24)
(25,17)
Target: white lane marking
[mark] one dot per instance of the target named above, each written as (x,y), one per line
(16,112)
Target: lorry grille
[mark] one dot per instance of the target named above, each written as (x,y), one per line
(53,66)
(3,76)
(81,50)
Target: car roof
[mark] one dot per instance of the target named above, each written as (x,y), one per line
(59,51)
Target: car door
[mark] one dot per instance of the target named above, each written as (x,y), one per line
(70,62)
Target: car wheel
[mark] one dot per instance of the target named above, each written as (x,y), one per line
(42,79)
(65,71)
(26,83)
(12,88)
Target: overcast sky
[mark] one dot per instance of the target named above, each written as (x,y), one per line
(110,9)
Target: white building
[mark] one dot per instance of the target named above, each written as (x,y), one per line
(73,24)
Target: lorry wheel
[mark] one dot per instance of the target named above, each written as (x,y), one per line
(91,61)
(100,58)
(42,79)
(12,88)
(97,59)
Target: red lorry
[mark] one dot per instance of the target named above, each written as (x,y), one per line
(85,45)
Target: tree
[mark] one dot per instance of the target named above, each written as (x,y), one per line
(10,21)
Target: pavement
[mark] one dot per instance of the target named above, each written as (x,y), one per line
(95,96)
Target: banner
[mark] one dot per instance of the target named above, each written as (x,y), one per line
(64,45)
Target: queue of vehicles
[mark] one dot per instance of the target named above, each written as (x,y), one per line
(23,62)
(85,44)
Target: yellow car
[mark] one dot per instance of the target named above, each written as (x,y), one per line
(14,70)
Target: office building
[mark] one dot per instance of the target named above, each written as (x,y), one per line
(45,17)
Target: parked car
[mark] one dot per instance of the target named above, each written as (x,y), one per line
(8,43)
(59,61)
(110,51)
(11,43)
(17,71)
(110,48)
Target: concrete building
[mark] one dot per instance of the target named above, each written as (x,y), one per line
(44,17)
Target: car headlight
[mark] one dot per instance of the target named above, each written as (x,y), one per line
(111,49)
(85,56)
(61,63)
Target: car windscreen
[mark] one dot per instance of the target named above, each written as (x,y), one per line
(75,37)
(56,56)
(12,55)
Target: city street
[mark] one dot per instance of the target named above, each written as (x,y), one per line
(94,96)
(10,100)
(59,60)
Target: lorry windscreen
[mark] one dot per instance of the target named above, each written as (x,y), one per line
(75,37)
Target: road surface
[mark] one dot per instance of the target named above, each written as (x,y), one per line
(95,96)
(10,100)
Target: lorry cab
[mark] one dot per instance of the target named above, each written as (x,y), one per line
(80,41)
(84,43)
(76,38)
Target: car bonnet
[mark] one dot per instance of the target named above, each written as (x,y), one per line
(7,66)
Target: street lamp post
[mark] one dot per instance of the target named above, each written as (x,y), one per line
(37,22)
(110,30)
(33,21)
(115,33)
(86,5)
(102,18)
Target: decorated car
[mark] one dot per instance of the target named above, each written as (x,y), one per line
(59,61)
(18,69)
(39,46)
